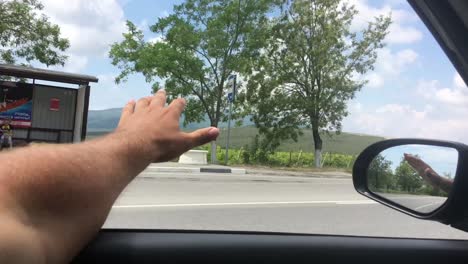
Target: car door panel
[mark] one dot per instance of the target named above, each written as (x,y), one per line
(131,246)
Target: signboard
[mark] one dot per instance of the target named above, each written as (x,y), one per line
(230,97)
(16,104)
(54,104)
(232,81)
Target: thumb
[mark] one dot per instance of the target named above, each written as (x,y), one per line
(202,136)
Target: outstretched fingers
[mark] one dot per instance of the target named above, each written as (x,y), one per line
(142,103)
(201,136)
(177,107)
(127,111)
(158,101)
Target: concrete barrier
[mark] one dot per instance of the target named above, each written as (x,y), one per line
(194,157)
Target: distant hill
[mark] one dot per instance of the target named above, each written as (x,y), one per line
(104,121)
(346,143)
(107,120)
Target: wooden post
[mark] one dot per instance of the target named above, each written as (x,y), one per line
(324,158)
(299,158)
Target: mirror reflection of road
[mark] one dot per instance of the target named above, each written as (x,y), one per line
(419,203)
(260,202)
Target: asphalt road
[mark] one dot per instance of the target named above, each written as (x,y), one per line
(418,203)
(263,203)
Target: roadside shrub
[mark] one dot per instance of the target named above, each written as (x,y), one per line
(249,155)
(246,155)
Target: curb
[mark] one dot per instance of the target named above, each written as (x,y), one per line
(333,175)
(156,169)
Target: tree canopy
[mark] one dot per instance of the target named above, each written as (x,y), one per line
(27,35)
(380,176)
(313,65)
(408,179)
(201,44)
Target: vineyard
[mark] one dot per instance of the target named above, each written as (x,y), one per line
(283,159)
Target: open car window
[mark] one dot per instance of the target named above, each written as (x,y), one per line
(298,90)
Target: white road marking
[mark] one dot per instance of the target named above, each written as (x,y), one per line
(427,205)
(356,202)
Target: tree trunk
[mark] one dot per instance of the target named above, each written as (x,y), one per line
(213,158)
(318,147)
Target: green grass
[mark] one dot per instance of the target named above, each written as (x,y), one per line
(345,143)
(291,159)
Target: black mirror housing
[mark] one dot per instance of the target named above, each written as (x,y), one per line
(454,211)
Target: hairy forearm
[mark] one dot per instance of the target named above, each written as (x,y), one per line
(57,188)
(437,181)
(55,198)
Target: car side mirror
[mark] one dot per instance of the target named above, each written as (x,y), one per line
(426,179)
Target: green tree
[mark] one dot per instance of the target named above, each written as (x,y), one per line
(24,34)
(203,43)
(380,177)
(408,179)
(312,67)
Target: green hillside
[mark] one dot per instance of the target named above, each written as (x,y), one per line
(346,143)
(102,121)
(107,120)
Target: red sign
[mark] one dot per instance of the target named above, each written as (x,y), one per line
(54,104)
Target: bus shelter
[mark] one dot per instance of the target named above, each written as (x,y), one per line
(44,105)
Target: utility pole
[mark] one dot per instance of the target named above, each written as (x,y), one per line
(231,97)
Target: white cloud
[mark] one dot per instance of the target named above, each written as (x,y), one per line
(433,110)
(397,120)
(124,2)
(390,65)
(375,80)
(438,112)
(399,32)
(107,94)
(403,35)
(390,62)
(75,63)
(454,97)
(427,89)
(156,39)
(91,26)
(458,81)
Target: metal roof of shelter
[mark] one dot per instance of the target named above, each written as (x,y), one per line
(45,75)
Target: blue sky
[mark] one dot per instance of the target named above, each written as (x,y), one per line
(413,92)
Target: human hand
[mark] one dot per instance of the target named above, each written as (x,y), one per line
(427,173)
(153,128)
(418,164)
